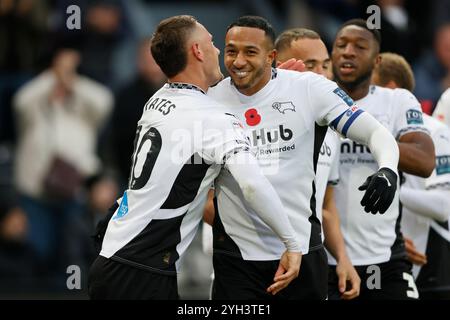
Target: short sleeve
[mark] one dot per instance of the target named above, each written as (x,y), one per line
(407,113)
(333,179)
(442,110)
(223,135)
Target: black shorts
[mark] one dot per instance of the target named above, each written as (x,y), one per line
(113,280)
(237,279)
(390,280)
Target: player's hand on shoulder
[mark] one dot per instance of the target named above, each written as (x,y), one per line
(288,270)
(380,191)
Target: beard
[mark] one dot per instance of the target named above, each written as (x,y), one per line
(353,84)
(252,81)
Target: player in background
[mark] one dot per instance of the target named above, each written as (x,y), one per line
(426,202)
(306,45)
(183,140)
(374,243)
(286,114)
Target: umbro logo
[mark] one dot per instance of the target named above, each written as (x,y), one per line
(282,107)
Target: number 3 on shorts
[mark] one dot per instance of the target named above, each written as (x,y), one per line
(414,293)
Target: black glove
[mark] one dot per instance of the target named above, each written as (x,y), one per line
(101,227)
(380,191)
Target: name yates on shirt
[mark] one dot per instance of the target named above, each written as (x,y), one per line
(162,105)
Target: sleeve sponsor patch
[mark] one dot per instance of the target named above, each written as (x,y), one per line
(442,165)
(344,96)
(414,116)
(123,208)
(242,138)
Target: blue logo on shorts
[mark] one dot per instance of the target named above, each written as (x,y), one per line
(414,116)
(344,96)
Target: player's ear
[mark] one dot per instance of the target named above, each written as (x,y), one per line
(197,51)
(377,60)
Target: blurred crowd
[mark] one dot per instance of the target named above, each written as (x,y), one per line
(70,101)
